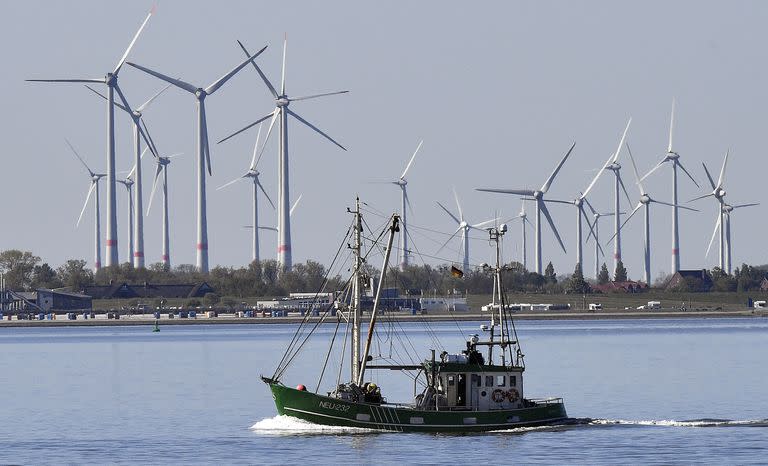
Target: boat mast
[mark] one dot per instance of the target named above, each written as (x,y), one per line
(356,312)
(393,229)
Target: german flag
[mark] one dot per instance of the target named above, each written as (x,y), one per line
(456,272)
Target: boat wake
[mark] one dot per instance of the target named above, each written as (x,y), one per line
(706,422)
(288,425)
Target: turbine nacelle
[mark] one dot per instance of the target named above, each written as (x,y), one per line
(727,208)
(645,199)
(614,166)
(537,195)
(672,156)
(282,101)
(200,93)
(719,193)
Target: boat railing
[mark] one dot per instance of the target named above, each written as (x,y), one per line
(547,401)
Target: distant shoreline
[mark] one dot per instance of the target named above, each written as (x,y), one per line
(468,317)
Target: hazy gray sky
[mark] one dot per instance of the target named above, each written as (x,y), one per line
(497,90)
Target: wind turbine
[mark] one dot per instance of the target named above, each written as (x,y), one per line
(253,174)
(290,214)
(674,158)
(405,202)
(281,111)
(541,207)
(613,165)
(136,218)
(464,228)
(723,217)
(523,220)
(162,167)
(203,151)
(110,80)
(95,177)
(645,200)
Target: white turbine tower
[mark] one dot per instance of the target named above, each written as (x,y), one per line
(162,168)
(541,208)
(645,201)
(674,158)
(253,174)
(281,112)
(136,219)
(128,183)
(596,233)
(727,210)
(111,82)
(523,220)
(203,151)
(464,227)
(95,177)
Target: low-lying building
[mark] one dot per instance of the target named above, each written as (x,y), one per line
(690,280)
(620,287)
(148,290)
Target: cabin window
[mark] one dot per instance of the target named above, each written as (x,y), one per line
(476,380)
(489,381)
(501,380)
(451,380)
(513,381)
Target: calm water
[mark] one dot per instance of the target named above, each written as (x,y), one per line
(656,392)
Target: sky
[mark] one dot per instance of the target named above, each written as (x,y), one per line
(498,91)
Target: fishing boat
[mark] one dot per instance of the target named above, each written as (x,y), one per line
(479,388)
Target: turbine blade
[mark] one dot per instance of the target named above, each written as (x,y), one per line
(448,240)
(148,139)
(247,127)
(634,211)
(621,143)
(154,187)
(308,97)
(714,233)
(479,226)
(411,160)
(671,125)
(255,149)
(552,176)
(589,224)
(133,41)
(545,211)
(176,82)
(458,205)
(709,177)
(658,165)
(220,82)
(143,106)
(519,192)
(701,197)
(104,97)
(313,127)
(295,204)
(611,158)
(258,183)
(229,183)
(85,204)
(623,188)
(746,205)
(94,81)
(558,201)
(589,204)
(269,131)
(634,170)
(133,169)
(267,228)
(722,170)
(674,205)
(258,70)
(282,78)
(204,129)
(90,172)
(448,212)
(686,172)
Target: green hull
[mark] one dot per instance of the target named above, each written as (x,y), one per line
(329,411)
